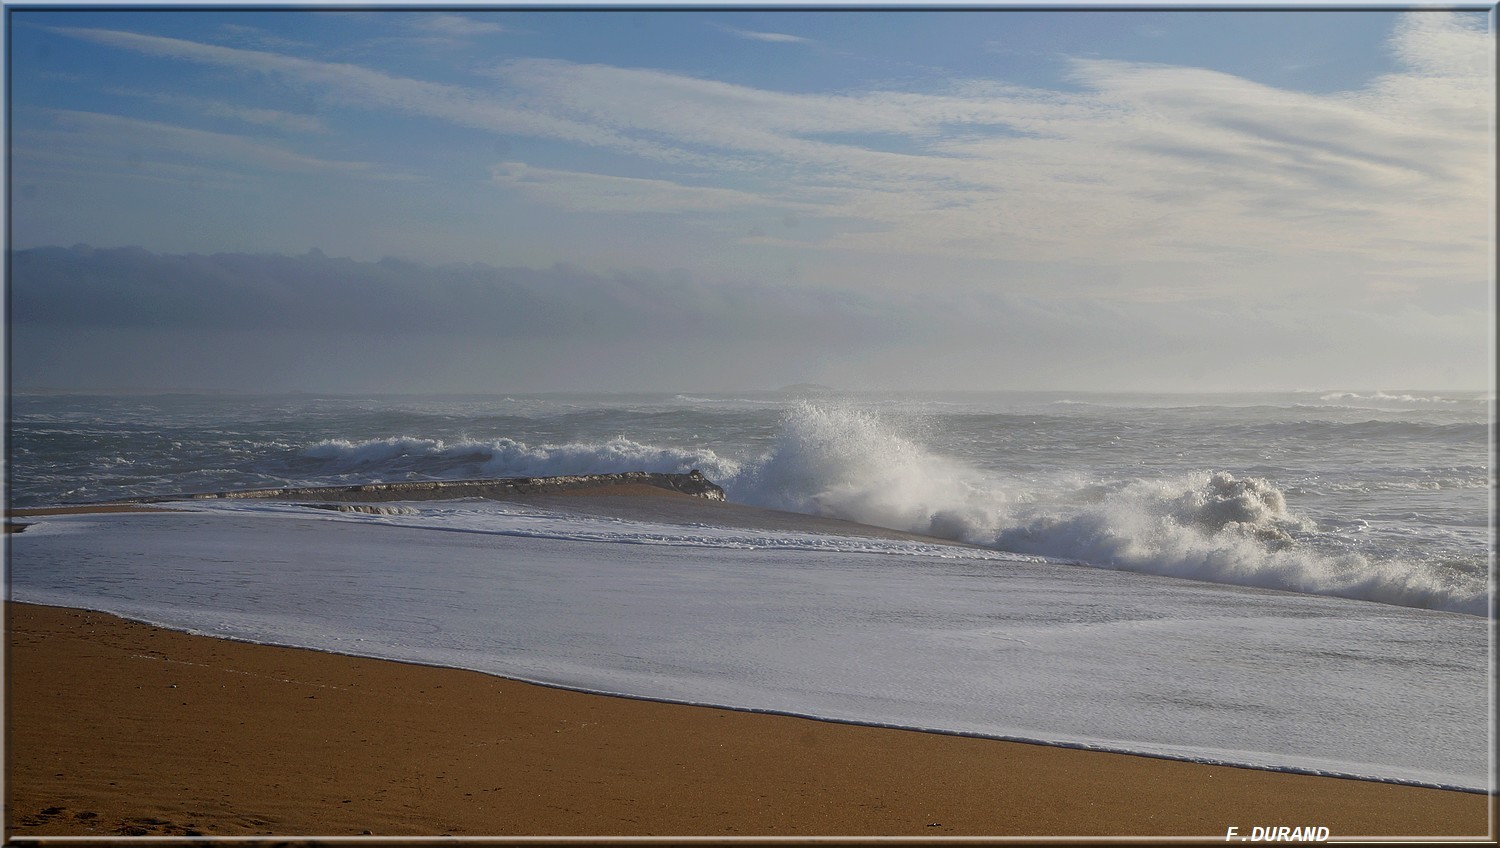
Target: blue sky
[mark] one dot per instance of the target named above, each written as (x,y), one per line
(970,199)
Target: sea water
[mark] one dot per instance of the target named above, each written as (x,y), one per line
(1375,495)
(1295,580)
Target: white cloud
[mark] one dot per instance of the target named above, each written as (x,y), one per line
(274,118)
(769,37)
(1141,165)
(455,26)
(257,38)
(134,136)
(58,157)
(1434,44)
(354,85)
(588,192)
(1145,163)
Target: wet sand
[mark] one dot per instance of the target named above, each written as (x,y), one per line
(117,727)
(14,526)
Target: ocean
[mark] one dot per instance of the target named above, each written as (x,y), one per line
(1295,580)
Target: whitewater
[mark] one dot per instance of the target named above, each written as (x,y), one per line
(1297,581)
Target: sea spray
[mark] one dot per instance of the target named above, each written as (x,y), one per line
(851,463)
(1211,526)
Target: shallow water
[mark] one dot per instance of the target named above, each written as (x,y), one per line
(879,631)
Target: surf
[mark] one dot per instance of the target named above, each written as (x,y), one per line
(1210,525)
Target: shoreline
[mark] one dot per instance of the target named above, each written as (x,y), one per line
(935,731)
(90,690)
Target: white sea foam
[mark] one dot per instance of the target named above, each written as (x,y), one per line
(1213,526)
(494,518)
(1075,656)
(378,509)
(849,462)
(505,458)
(1382,396)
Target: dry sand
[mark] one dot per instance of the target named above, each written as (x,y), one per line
(117,727)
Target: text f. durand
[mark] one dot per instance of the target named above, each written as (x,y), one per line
(1282,833)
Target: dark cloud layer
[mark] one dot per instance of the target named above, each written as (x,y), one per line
(85,318)
(132,287)
(94,318)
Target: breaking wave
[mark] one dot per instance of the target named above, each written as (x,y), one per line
(1382,396)
(418,458)
(1208,525)
(853,464)
(1214,527)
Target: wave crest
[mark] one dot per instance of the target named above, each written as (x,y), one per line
(849,463)
(845,462)
(1208,525)
(414,457)
(1383,396)
(1251,506)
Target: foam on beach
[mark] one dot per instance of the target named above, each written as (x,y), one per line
(86,688)
(518,519)
(792,620)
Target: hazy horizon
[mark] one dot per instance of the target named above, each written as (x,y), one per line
(812,391)
(413,202)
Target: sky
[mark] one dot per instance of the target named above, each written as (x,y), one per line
(492,200)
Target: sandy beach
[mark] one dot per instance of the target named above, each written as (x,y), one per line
(118,727)
(702,423)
